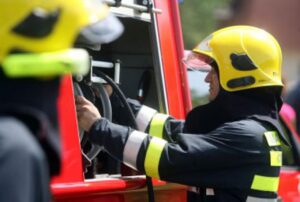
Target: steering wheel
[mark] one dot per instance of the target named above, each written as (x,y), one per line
(97,94)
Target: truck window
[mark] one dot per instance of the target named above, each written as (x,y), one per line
(198,87)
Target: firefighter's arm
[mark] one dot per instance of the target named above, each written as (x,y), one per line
(180,161)
(157,124)
(147,119)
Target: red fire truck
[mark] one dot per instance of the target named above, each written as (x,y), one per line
(145,64)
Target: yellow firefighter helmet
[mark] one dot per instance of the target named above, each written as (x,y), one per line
(247,57)
(36,35)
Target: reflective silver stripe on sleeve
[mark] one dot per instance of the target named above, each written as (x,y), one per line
(193,189)
(144,117)
(257,199)
(132,148)
(210,192)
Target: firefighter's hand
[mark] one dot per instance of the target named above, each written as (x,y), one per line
(87,113)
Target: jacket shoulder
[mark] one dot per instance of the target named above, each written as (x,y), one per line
(12,125)
(247,132)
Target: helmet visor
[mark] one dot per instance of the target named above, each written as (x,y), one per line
(197,61)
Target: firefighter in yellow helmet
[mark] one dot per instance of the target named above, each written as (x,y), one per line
(37,37)
(226,150)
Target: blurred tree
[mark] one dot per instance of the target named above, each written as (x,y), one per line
(199,18)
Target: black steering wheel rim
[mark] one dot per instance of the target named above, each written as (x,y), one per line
(101,96)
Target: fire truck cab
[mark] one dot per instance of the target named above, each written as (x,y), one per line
(145,64)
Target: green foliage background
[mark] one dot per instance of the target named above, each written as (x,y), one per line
(198,19)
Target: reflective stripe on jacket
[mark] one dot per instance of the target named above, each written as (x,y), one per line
(239,160)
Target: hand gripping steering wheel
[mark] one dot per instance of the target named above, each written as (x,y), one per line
(97,94)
